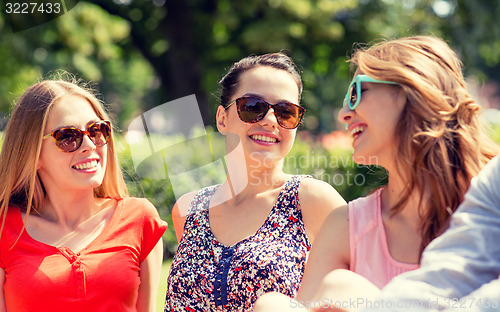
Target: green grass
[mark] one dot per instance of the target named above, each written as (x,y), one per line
(160,301)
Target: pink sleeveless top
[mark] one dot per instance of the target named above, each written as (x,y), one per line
(370,256)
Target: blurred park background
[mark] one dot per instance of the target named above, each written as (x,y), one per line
(143,53)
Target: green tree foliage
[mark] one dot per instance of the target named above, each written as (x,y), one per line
(474,29)
(144,53)
(86,41)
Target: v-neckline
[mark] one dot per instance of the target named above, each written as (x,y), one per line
(271,213)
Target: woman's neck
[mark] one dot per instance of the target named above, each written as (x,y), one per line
(392,194)
(253,174)
(69,209)
(242,183)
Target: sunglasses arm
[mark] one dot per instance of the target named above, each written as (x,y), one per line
(47,136)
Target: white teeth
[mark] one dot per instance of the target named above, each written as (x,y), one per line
(357,130)
(87,165)
(263,138)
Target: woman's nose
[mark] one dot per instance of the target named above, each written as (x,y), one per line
(269,119)
(87,144)
(345,114)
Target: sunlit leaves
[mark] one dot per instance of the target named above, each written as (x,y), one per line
(92,31)
(490,53)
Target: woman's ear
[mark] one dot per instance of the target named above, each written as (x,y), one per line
(221,120)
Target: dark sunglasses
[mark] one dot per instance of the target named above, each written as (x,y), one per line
(253,109)
(70,139)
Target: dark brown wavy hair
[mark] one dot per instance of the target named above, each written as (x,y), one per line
(441,142)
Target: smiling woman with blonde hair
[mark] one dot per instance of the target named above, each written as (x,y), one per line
(71,239)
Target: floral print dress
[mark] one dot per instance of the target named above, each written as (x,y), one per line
(208,276)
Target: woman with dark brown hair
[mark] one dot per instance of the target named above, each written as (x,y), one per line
(251,234)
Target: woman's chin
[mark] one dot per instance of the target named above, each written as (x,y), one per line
(366,160)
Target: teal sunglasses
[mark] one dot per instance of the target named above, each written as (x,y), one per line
(353,95)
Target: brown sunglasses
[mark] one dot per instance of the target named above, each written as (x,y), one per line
(69,139)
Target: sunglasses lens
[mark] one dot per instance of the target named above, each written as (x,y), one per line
(68,139)
(288,115)
(251,109)
(353,96)
(99,133)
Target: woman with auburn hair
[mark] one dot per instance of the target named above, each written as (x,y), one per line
(408,105)
(71,237)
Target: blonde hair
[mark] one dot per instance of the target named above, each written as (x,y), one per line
(20,185)
(441,143)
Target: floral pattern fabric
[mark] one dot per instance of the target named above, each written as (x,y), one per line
(208,276)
